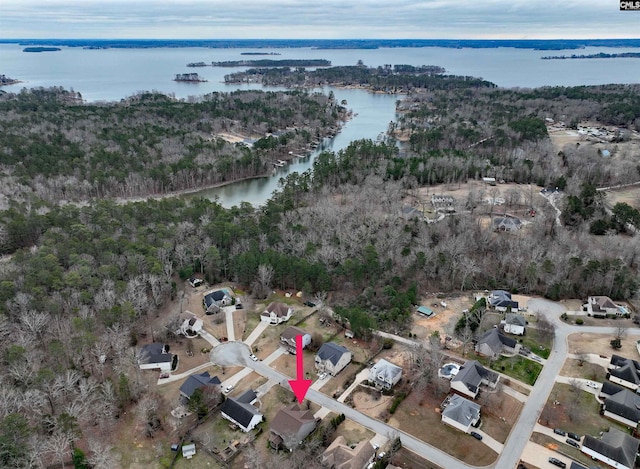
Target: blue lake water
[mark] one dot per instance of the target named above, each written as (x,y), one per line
(113,74)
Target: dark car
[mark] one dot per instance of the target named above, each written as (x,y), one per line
(239,306)
(557,462)
(557,431)
(311,304)
(477,436)
(574,436)
(573,443)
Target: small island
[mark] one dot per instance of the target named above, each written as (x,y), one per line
(197,64)
(5,80)
(41,49)
(600,55)
(260,53)
(264,63)
(189,78)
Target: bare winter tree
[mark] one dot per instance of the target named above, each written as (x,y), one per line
(546,329)
(262,283)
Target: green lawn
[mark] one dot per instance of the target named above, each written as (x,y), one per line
(518,368)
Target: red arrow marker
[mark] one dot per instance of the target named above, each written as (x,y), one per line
(299,386)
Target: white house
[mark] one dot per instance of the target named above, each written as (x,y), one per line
(603,305)
(615,448)
(243,414)
(501,301)
(514,324)
(288,338)
(276,313)
(191,324)
(384,375)
(332,358)
(155,357)
(460,413)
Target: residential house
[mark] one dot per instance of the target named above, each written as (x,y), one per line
(623,407)
(625,372)
(198,381)
(384,375)
(460,413)
(276,313)
(508,224)
(501,300)
(191,324)
(188,451)
(248,397)
(290,427)
(470,376)
(608,389)
(332,358)
(339,455)
(215,300)
(243,414)
(493,344)
(614,448)
(288,338)
(603,305)
(514,324)
(155,357)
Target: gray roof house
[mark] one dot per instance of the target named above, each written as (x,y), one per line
(212,301)
(460,413)
(508,224)
(155,356)
(384,374)
(332,358)
(514,324)
(198,381)
(602,305)
(501,300)
(288,338)
(243,414)
(624,407)
(290,427)
(625,372)
(493,344)
(470,376)
(614,448)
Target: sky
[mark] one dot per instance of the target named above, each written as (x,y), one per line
(317,19)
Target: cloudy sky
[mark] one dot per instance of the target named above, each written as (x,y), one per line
(322,19)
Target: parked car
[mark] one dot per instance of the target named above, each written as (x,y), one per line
(591,384)
(253,357)
(574,436)
(476,435)
(573,443)
(311,304)
(557,431)
(322,376)
(239,306)
(557,462)
(228,389)
(381,455)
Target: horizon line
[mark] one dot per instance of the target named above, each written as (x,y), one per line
(314,39)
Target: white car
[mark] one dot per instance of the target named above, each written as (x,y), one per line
(253,357)
(228,389)
(322,376)
(591,384)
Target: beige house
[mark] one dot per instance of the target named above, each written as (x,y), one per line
(276,313)
(339,455)
(288,338)
(290,427)
(332,358)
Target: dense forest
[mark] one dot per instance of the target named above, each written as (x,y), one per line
(59,148)
(80,284)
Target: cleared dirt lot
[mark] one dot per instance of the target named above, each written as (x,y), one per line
(599,344)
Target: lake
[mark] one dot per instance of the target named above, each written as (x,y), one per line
(113,74)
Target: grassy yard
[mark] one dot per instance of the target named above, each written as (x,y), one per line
(415,419)
(516,367)
(573,369)
(406,458)
(575,413)
(534,343)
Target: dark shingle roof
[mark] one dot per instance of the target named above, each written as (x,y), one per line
(332,352)
(472,373)
(615,445)
(461,410)
(247,397)
(609,389)
(627,372)
(624,403)
(239,411)
(502,298)
(198,381)
(516,319)
(212,297)
(154,353)
(495,340)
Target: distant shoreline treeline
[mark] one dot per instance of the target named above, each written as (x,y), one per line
(600,55)
(536,44)
(265,63)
